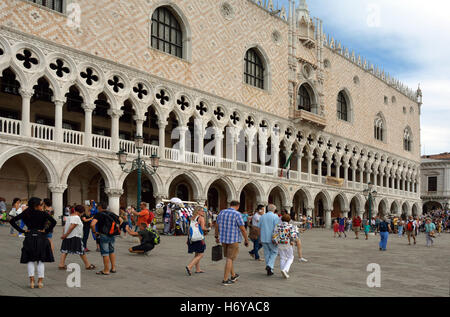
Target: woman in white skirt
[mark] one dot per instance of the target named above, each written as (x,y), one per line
(285,235)
(72,239)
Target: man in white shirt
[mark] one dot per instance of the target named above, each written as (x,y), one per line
(255,232)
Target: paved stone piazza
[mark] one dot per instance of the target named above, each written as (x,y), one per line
(336,267)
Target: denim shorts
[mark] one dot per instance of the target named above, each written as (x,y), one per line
(106,244)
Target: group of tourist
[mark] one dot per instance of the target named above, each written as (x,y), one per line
(34,220)
(266,227)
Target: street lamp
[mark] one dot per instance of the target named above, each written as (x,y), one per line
(139,165)
(370,193)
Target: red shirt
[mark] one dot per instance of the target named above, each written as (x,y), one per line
(357,222)
(150,218)
(143,216)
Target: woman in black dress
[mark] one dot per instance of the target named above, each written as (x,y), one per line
(36,247)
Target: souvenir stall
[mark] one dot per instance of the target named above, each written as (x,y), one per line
(176,215)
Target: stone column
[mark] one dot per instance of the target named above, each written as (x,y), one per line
(310,158)
(162,138)
(199,132)
(328,167)
(249,154)
(218,137)
(114,199)
(404,184)
(57,199)
(263,151)
(361,175)
(338,169)
(115,116)
(299,165)
(346,166)
(354,174)
(368,176)
(328,219)
(375,180)
(275,157)
(319,165)
(58,137)
(88,109)
(309,212)
(345,213)
(139,125)
(182,143)
(26,125)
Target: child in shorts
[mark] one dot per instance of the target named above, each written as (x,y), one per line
(367,230)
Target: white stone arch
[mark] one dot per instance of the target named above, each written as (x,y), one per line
(229,187)
(386,205)
(349,100)
(416,210)
(266,63)
(55,86)
(285,197)
(210,109)
(327,202)
(193,181)
(97,86)
(5,59)
(307,194)
(148,99)
(406,207)
(126,91)
(155,179)
(26,45)
(345,204)
(258,188)
(21,77)
(360,203)
(103,168)
(397,207)
(49,168)
(189,112)
(182,20)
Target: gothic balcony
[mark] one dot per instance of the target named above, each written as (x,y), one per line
(302,117)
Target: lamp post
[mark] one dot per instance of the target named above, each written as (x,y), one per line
(139,165)
(370,193)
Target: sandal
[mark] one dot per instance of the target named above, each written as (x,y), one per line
(113,271)
(199,272)
(62,268)
(188,271)
(101,273)
(91,267)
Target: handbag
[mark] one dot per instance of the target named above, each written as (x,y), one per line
(195,231)
(217,253)
(253,234)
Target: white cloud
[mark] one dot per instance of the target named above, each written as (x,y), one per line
(411,33)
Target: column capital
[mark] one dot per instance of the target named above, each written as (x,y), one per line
(88,107)
(57,188)
(115,113)
(58,102)
(25,93)
(162,124)
(114,192)
(138,118)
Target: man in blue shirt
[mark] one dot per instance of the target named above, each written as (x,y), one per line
(230,225)
(267,225)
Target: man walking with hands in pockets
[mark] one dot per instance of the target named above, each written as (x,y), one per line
(267,224)
(228,224)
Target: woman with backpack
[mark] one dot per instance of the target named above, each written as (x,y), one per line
(196,239)
(384,230)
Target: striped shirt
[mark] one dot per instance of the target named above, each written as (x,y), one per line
(229,221)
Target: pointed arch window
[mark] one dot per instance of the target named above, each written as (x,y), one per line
(167,35)
(379,129)
(342,107)
(304,99)
(254,69)
(407,140)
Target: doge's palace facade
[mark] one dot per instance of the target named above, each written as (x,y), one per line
(224,92)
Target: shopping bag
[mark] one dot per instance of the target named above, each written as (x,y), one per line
(217,253)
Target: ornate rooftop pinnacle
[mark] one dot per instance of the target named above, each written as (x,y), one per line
(302,10)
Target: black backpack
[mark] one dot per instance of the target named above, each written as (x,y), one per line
(111,225)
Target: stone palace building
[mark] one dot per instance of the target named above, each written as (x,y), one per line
(435,179)
(224,92)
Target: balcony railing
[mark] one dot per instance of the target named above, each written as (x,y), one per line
(47,133)
(101,142)
(42,132)
(73,137)
(10,126)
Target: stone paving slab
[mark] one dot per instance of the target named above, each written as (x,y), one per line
(336,267)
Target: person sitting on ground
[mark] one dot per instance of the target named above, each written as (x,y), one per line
(147,239)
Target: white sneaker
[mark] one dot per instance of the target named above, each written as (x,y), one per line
(303,260)
(21,236)
(286,276)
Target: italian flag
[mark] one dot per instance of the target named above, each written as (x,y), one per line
(287,166)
